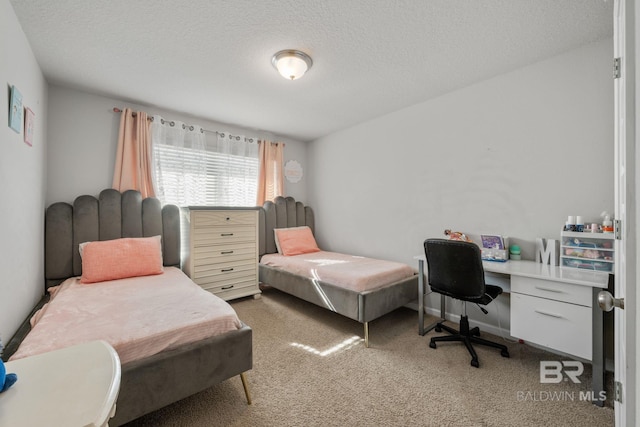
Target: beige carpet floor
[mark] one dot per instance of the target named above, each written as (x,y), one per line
(310,368)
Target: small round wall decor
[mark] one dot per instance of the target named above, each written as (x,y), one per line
(293,171)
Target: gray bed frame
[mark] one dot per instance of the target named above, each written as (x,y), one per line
(156,381)
(360,306)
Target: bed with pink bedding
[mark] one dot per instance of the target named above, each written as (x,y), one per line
(174,339)
(360,288)
(119,313)
(356,273)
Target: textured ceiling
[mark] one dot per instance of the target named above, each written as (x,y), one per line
(212,58)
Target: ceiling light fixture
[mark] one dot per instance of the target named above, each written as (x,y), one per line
(291,64)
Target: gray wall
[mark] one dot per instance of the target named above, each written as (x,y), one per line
(22,179)
(513,155)
(83,136)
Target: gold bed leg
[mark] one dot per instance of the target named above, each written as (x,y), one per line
(246,388)
(366,334)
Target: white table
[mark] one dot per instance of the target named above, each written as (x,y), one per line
(563,288)
(74,386)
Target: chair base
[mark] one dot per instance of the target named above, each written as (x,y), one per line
(467,336)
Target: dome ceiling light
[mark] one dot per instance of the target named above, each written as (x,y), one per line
(291,64)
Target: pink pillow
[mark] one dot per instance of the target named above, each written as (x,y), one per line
(295,241)
(120,258)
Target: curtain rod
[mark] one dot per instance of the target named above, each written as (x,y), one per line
(184,126)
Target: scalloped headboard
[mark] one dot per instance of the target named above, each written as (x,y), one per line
(111,216)
(283,212)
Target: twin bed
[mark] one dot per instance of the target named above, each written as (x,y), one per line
(362,289)
(174,339)
(168,361)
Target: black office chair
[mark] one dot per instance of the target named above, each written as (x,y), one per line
(455,270)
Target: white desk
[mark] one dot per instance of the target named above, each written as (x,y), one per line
(551,306)
(74,386)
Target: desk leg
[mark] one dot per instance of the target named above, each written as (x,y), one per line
(597,350)
(421,328)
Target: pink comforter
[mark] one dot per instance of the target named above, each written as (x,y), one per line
(138,316)
(347,271)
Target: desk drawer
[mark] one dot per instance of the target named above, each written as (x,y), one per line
(557,325)
(565,292)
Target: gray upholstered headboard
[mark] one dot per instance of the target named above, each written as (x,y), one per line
(111,216)
(282,213)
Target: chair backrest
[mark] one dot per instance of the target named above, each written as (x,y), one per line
(455,268)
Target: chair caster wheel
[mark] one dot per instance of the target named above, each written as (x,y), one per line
(438,329)
(432,344)
(504,353)
(475,363)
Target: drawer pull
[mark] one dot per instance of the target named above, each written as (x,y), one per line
(225,270)
(224,288)
(226,252)
(557,316)
(226,234)
(550,290)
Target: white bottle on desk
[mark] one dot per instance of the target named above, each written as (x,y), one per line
(570,225)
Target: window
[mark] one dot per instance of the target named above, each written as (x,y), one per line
(200,168)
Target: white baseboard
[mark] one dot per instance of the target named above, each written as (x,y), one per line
(455,318)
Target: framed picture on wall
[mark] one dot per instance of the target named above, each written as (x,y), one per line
(15,110)
(29,123)
(293,171)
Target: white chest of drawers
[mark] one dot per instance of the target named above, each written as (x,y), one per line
(222,251)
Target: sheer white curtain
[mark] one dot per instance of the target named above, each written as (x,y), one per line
(180,163)
(234,170)
(193,167)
